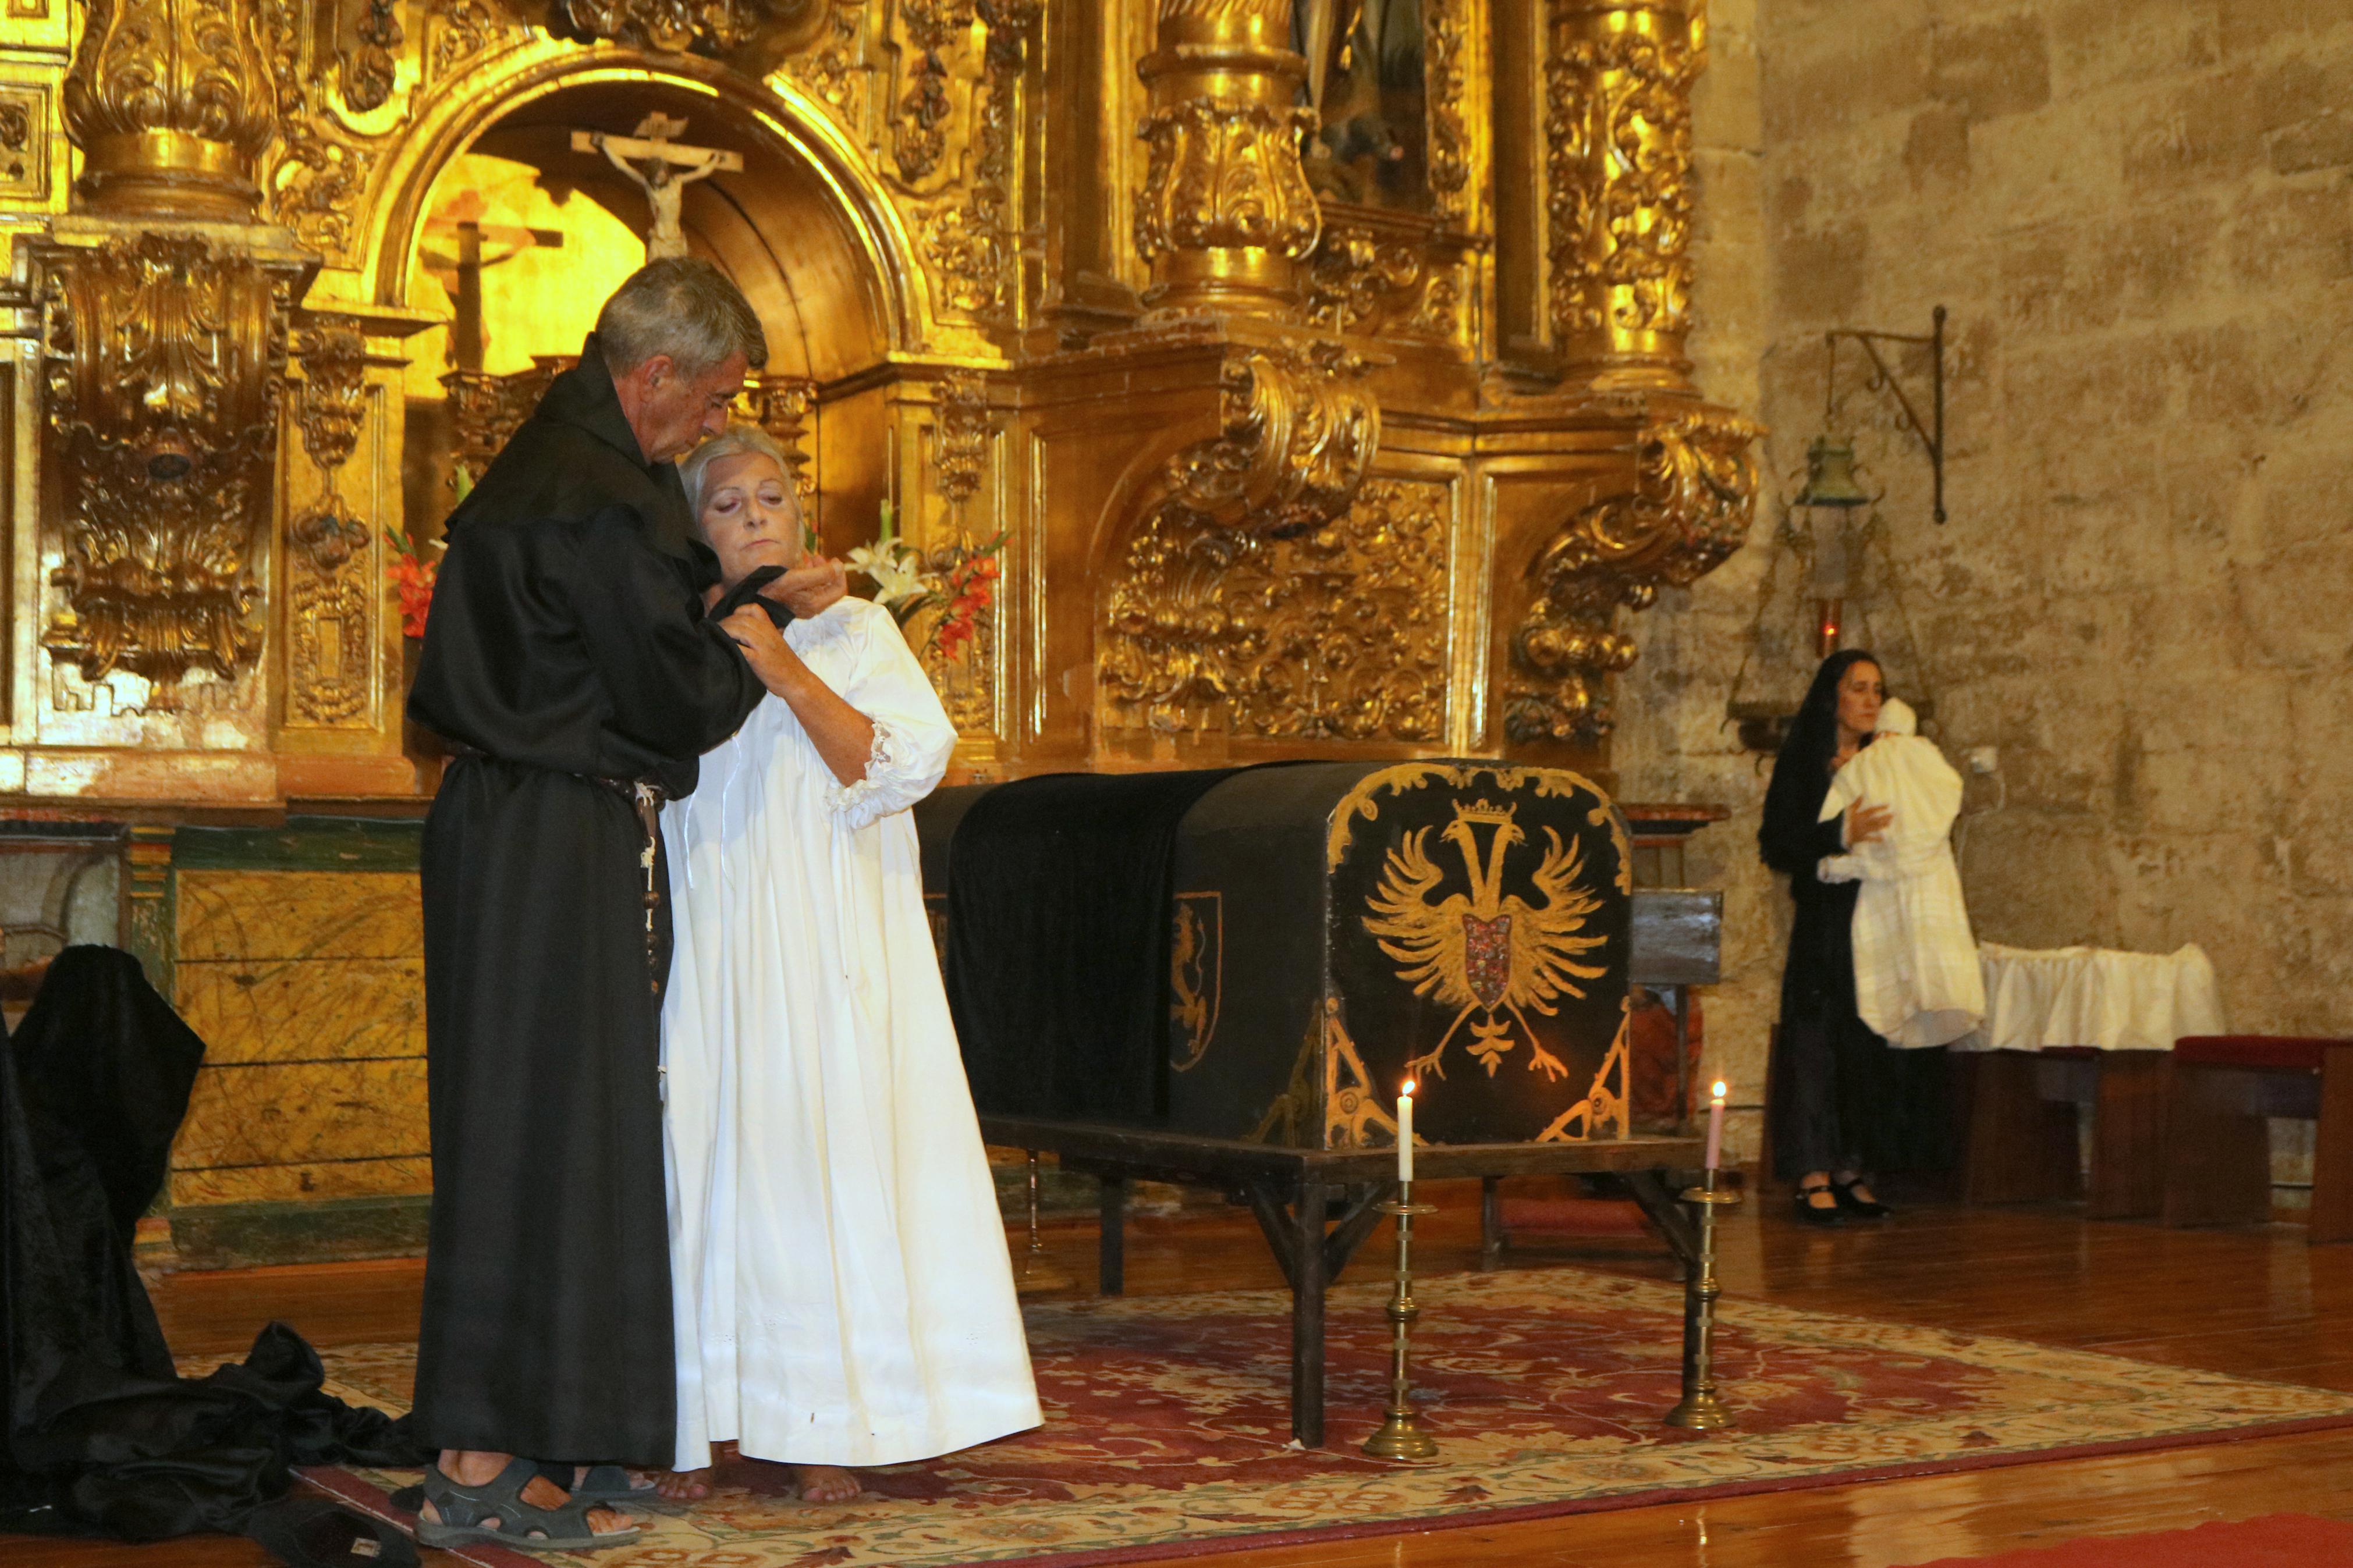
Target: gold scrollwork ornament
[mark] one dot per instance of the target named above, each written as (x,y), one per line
(1693,495)
(165,362)
(708,27)
(967,239)
(1442,75)
(1335,634)
(330,592)
(1358,281)
(1299,427)
(961,429)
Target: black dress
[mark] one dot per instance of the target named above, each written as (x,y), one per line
(1842,1099)
(567,655)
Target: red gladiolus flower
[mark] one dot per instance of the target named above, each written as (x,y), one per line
(415,580)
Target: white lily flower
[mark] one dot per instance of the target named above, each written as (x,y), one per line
(893,571)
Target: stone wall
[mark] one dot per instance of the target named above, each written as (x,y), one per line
(2141,218)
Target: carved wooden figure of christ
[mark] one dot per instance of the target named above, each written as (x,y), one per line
(662,169)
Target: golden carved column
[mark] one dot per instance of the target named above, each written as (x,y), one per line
(1226,217)
(172,102)
(1618,85)
(166,323)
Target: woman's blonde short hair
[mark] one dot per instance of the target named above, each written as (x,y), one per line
(735,441)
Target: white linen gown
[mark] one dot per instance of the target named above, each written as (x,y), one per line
(844,1293)
(1917,979)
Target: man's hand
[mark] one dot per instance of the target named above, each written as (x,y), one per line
(814,585)
(763,646)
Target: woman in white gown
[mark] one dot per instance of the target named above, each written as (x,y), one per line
(844,1293)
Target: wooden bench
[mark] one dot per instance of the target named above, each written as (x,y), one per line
(2220,1091)
(2023,1109)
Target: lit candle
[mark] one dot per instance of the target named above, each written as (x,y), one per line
(1405,1134)
(1715,1125)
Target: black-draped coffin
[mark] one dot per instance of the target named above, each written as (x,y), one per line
(1196,952)
(1057,962)
(565,649)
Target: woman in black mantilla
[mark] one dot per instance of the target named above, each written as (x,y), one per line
(1843,1101)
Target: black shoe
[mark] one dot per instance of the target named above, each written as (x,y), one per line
(1862,1208)
(1814,1215)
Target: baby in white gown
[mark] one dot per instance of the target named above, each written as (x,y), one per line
(1917,979)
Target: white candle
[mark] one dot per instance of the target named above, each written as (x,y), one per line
(1716,1126)
(1405,1134)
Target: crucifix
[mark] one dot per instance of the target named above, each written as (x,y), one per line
(662,169)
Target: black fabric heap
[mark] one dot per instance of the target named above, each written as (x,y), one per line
(102,1437)
(1058,893)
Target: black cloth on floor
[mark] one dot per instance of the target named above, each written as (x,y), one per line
(1058,894)
(567,650)
(102,1436)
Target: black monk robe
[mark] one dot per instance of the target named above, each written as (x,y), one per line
(567,648)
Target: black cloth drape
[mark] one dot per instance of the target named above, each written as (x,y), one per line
(1841,1097)
(102,1437)
(566,646)
(1059,896)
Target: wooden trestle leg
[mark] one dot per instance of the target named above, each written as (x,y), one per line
(1308,1279)
(1111,1257)
(1294,1216)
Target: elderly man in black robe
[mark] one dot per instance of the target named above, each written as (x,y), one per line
(568,660)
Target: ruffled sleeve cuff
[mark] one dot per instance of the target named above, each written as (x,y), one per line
(1839,868)
(897,777)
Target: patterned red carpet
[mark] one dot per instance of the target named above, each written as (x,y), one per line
(1167,1422)
(2275,1541)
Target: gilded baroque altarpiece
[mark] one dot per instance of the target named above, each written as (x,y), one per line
(1321,362)
(1323,403)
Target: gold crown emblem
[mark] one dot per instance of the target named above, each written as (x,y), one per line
(1485,811)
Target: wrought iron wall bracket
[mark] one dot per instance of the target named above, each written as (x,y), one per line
(1883,376)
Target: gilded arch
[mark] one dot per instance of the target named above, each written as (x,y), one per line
(775,117)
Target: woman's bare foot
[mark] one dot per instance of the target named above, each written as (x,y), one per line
(471,1469)
(826,1483)
(693,1485)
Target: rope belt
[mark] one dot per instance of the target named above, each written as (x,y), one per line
(644,799)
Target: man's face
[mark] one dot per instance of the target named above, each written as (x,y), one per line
(669,412)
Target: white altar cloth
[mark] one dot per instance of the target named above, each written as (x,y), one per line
(2093,996)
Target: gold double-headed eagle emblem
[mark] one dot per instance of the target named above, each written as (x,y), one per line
(1484,952)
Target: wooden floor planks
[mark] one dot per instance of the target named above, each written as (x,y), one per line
(2257,1303)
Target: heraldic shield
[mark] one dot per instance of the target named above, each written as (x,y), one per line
(1333,929)
(1479,917)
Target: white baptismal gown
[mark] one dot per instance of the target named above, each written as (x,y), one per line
(844,1294)
(1917,979)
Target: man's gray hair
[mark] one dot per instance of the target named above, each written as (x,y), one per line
(735,441)
(683,307)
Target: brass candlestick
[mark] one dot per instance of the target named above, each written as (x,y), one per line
(1037,1276)
(1401,1436)
(1699,1409)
